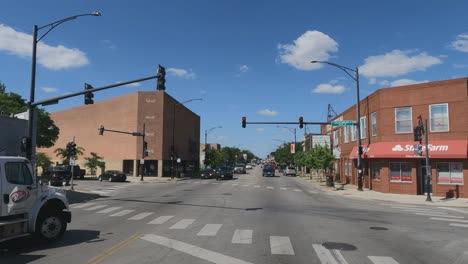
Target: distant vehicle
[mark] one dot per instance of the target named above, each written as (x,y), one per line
(291,171)
(224,173)
(240,168)
(112,175)
(78,173)
(208,174)
(268,171)
(248,167)
(58,175)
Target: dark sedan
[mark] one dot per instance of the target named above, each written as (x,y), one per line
(208,174)
(224,173)
(112,175)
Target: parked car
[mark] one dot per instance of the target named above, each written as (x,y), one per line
(268,171)
(291,171)
(240,168)
(57,175)
(78,173)
(224,173)
(208,174)
(248,167)
(112,175)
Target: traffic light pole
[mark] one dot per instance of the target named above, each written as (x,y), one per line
(72,168)
(428,166)
(143,154)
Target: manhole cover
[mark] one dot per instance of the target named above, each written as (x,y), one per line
(338,246)
(253,209)
(378,228)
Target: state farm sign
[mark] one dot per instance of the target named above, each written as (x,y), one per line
(408,147)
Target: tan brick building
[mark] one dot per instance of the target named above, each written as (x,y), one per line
(388,117)
(128,113)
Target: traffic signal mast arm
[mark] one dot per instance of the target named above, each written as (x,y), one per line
(136,134)
(287,123)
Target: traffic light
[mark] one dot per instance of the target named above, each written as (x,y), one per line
(145,148)
(417,133)
(101,130)
(161,84)
(301,122)
(418,149)
(69,149)
(88,97)
(72,149)
(244,121)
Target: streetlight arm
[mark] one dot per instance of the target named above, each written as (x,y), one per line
(211,129)
(343,68)
(58,22)
(290,129)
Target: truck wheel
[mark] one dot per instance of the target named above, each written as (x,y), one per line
(50,225)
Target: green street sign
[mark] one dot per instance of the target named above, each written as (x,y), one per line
(342,123)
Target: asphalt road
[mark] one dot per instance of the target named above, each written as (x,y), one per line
(250,219)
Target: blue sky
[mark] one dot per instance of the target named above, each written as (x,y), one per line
(244,58)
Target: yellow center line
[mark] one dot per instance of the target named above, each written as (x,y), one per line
(99,258)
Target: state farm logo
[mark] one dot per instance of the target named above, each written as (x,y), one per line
(408,147)
(19,196)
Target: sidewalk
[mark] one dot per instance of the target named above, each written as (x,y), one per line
(351,191)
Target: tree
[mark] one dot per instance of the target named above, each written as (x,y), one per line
(62,153)
(283,154)
(43,161)
(93,162)
(47,131)
(319,158)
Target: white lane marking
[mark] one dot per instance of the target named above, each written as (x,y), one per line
(246,185)
(214,183)
(140,216)
(242,236)
(382,260)
(440,215)
(235,184)
(95,207)
(455,210)
(257,186)
(193,250)
(421,211)
(108,210)
(411,208)
(182,224)
(284,189)
(187,182)
(324,254)
(100,192)
(270,187)
(204,182)
(339,257)
(161,220)
(297,190)
(122,213)
(312,192)
(281,245)
(81,205)
(196,182)
(459,225)
(449,220)
(425,212)
(209,230)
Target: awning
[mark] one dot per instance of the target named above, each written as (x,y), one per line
(437,149)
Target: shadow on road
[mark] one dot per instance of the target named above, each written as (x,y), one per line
(17,250)
(80,197)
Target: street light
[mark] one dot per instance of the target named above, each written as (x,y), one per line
(292,131)
(206,136)
(32,147)
(173,131)
(358,113)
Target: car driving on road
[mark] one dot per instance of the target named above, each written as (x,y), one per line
(208,174)
(112,175)
(290,171)
(240,168)
(224,173)
(268,171)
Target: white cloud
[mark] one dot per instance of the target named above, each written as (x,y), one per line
(267,112)
(372,81)
(402,82)
(244,68)
(135,84)
(384,83)
(51,57)
(187,74)
(312,45)
(260,129)
(329,88)
(461,43)
(396,63)
(49,89)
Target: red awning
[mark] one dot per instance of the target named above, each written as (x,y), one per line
(437,149)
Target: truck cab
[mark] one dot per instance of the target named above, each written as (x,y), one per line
(28,207)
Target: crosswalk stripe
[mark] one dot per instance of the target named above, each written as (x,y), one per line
(257,186)
(196,182)
(235,184)
(459,225)
(246,185)
(95,207)
(420,211)
(182,224)
(209,230)
(297,190)
(339,257)
(204,182)
(161,220)
(285,189)
(455,210)
(312,192)
(382,260)
(411,208)
(438,214)
(324,254)
(270,187)
(449,220)
(140,216)
(108,210)
(188,182)
(101,192)
(242,236)
(281,245)
(84,205)
(123,212)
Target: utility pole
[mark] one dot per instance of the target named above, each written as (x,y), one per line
(72,167)
(428,166)
(143,154)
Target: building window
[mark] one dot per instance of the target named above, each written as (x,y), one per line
(353,133)
(346,138)
(400,172)
(450,173)
(376,171)
(439,117)
(403,120)
(374,123)
(363,124)
(336,137)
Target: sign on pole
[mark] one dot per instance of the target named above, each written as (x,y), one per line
(342,123)
(292,148)
(72,161)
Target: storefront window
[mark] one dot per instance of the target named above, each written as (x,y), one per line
(400,171)
(450,172)
(403,120)
(439,117)
(376,171)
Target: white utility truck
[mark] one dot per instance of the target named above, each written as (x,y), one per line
(27,206)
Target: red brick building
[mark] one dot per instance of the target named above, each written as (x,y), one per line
(388,117)
(163,117)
